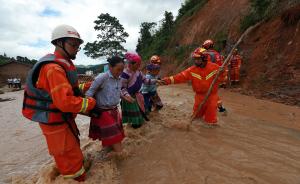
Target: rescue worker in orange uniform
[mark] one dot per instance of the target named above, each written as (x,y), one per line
(216,57)
(201,75)
(53,97)
(235,65)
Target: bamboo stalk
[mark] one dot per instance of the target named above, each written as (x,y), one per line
(220,70)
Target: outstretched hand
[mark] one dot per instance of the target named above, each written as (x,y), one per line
(161,82)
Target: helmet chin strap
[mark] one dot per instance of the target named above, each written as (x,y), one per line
(64,49)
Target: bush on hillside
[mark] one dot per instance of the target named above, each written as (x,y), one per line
(260,9)
(189,7)
(291,16)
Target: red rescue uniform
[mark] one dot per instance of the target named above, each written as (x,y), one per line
(201,79)
(62,140)
(217,58)
(235,65)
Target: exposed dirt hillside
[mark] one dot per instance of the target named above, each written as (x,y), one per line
(271,52)
(216,16)
(272,60)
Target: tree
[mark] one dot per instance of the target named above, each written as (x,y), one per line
(168,23)
(20,58)
(111,36)
(164,33)
(186,6)
(151,42)
(189,7)
(145,38)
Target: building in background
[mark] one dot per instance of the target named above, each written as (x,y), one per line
(13,69)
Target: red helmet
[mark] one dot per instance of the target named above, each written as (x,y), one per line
(197,53)
(155,59)
(208,44)
(200,53)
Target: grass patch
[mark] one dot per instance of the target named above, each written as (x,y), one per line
(189,8)
(2,62)
(260,10)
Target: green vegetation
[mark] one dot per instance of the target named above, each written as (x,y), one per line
(260,10)
(5,59)
(111,35)
(80,68)
(189,7)
(155,40)
(2,62)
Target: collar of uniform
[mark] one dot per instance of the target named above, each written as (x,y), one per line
(59,56)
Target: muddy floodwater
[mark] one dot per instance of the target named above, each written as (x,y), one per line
(257,142)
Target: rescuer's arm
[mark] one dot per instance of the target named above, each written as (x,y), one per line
(62,94)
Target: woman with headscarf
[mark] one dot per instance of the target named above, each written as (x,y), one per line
(133,111)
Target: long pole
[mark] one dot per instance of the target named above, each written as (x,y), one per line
(220,71)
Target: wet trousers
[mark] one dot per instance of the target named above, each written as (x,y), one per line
(235,74)
(208,112)
(64,146)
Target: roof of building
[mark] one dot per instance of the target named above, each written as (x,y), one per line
(14,61)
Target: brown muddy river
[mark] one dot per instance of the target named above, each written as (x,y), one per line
(257,142)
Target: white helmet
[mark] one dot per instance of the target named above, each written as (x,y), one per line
(65,31)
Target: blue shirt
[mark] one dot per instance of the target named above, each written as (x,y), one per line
(106,89)
(146,88)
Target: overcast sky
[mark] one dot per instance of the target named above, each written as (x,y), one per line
(26,26)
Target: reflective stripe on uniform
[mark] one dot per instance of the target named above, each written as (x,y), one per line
(202,49)
(206,78)
(84,105)
(172,79)
(196,75)
(77,174)
(211,74)
(81,87)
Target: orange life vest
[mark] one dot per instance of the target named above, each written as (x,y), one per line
(37,104)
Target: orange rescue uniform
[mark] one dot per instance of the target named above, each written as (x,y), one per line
(217,58)
(62,140)
(235,65)
(201,80)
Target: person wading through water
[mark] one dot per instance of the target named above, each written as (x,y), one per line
(53,97)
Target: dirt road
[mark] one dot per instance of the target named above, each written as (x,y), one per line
(258,142)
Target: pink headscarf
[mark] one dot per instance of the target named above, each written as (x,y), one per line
(133,57)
